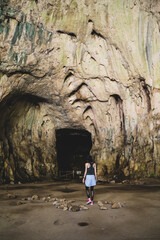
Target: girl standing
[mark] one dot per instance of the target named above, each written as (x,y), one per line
(90,178)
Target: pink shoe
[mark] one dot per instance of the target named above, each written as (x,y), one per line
(89,201)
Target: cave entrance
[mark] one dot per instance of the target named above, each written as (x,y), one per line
(73,146)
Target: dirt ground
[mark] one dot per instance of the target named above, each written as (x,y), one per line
(139,218)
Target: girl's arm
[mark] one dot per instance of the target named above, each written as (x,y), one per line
(85,172)
(95,171)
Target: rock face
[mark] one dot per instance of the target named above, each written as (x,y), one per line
(85,65)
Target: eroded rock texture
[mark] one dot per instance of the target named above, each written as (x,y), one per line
(80,65)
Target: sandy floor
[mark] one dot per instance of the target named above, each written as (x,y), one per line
(38,220)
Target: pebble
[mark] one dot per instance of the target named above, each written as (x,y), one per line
(103,208)
(29,199)
(82,207)
(71,201)
(43,198)
(116,205)
(100,203)
(24,199)
(75,208)
(11,196)
(112,182)
(20,203)
(69,205)
(125,181)
(35,197)
(61,206)
(65,208)
(66,205)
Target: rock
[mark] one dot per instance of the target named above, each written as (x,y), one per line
(24,199)
(125,181)
(61,206)
(29,198)
(126,171)
(43,198)
(116,205)
(65,208)
(63,201)
(12,196)
(75,208)
(103,208)
(54,203)
(112,182)
(71,201)
(123,204)
(52,200)
(48,199)
(82,207)
(57,204)
(35,197)
(69,205)
(100,203)
(139,182)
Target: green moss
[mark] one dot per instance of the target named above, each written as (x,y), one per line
(1,13)
(14,57)
(40,34)
(21,25)
(6,29)
(29,120)
(23,58)
(16,34)
(30,31)
(1,27)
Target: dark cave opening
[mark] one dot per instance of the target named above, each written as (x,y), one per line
(73,147)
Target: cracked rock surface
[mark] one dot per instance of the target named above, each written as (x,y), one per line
(90,65)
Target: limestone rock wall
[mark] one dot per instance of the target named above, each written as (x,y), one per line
(87,64)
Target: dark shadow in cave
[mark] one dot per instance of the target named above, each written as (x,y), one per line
(119,102)
(73,147)
(15,97)
(12,109)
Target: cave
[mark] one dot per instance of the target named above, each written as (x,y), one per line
(73,147)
